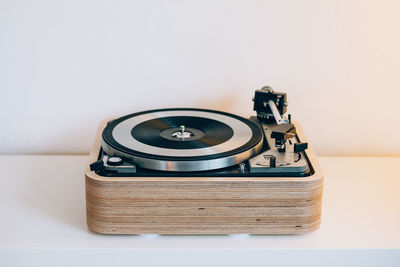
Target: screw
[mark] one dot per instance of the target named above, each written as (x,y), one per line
(242,167)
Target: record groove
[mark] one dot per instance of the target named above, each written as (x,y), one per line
(157,132)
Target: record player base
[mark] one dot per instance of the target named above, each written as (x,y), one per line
(203,205)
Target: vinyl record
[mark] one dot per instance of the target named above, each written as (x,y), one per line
(182,139)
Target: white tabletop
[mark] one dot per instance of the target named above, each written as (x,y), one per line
(42,205)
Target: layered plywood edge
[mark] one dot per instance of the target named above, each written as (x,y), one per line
(197,205)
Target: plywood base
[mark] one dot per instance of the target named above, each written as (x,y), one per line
(197,205)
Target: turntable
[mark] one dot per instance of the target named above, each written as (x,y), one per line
(198,171)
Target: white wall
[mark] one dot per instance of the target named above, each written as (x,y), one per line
(66,65)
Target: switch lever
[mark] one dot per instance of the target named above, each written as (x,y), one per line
(300,147)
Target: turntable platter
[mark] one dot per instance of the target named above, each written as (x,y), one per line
(182,139)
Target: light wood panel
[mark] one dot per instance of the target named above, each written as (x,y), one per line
(203,205)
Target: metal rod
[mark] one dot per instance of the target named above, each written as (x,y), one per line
(275,111)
